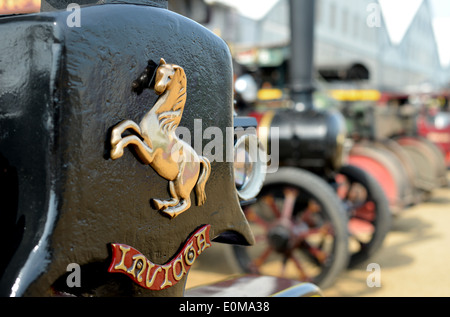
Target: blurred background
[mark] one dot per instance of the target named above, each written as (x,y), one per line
(400,43)
(365,53)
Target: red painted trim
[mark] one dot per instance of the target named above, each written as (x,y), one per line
(135,265)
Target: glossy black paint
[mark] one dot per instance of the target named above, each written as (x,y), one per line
(301,21)
(62,90)
(48,5)
(309,139)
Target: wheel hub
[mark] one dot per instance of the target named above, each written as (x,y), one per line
(279,237)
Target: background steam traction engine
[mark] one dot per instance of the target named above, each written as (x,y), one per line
(389,132)
(87,133)
(317,214)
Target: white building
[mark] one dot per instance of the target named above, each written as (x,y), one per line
(346,32)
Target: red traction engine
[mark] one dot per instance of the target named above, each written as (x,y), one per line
(388,146)
(435,126)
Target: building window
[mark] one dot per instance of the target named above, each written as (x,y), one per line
(356,25)
(344,21)
(332,16)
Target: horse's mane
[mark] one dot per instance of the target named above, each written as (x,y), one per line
(170,113)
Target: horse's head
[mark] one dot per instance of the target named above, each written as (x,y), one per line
(163,76)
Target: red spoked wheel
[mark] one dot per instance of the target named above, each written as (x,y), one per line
(387,170)
(368,211)
(300,230)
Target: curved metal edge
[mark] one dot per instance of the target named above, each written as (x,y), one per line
(300,290)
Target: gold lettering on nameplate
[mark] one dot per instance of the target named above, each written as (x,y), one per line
(131,262)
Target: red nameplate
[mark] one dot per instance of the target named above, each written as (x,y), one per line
(129,261)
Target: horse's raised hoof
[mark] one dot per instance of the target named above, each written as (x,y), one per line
(159,204)
(116,137)
(116,152)
(170,214)
(163,207)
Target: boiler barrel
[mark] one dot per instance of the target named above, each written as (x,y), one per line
(310,139)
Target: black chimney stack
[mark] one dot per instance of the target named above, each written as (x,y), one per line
(302,14)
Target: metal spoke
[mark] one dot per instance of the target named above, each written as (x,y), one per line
(269,200)
(256,263)
(290,197)
(320,255)
(349,191)
(343,187)
(302,273)
(306,215)
(283,266)
(366,211)
(288,234)
(260,238)
(254,217)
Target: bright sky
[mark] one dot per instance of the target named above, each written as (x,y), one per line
(441,24)
(398,15)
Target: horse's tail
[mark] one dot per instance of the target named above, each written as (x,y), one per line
(202,179)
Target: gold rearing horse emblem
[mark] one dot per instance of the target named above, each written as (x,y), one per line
(159,147)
